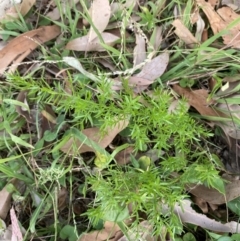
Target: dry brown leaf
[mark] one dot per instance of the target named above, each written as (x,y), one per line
(232,38)
(109,231)
(220,20)
(25,6)
(82,44)
(123,157)
(211,195)
(202,204)
(100,12)
(5,199)
(139,52)
(198,99)
(184,34)
(157,37)
(94,135)
(21,46)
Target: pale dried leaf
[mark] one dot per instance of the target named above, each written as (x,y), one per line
(82,44)
(184,34)
(21,46)
(214,2)
(100,12)
(233,4)
(157,37)
(139,81)
(6,5)
(2,44)
(155,68)
(188,215)
(94,135)
(200,28)
(139,52)
(25,6)
(12,11)
(54,14)
(15,226)
(150,72)
(5,232)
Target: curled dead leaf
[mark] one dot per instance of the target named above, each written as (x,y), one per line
(17,49)
(100,13)
(198,99)
(184,34)
(221,20)
(155,68)
(82,44)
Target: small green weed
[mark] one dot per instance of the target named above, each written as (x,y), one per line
(135,191)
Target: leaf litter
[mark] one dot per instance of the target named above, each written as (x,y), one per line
(143,71)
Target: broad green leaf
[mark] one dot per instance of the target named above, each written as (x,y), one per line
(144,162)
(235,237)
(189,237)
(19,141)
(234,205)
(68,232)
(116,215)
